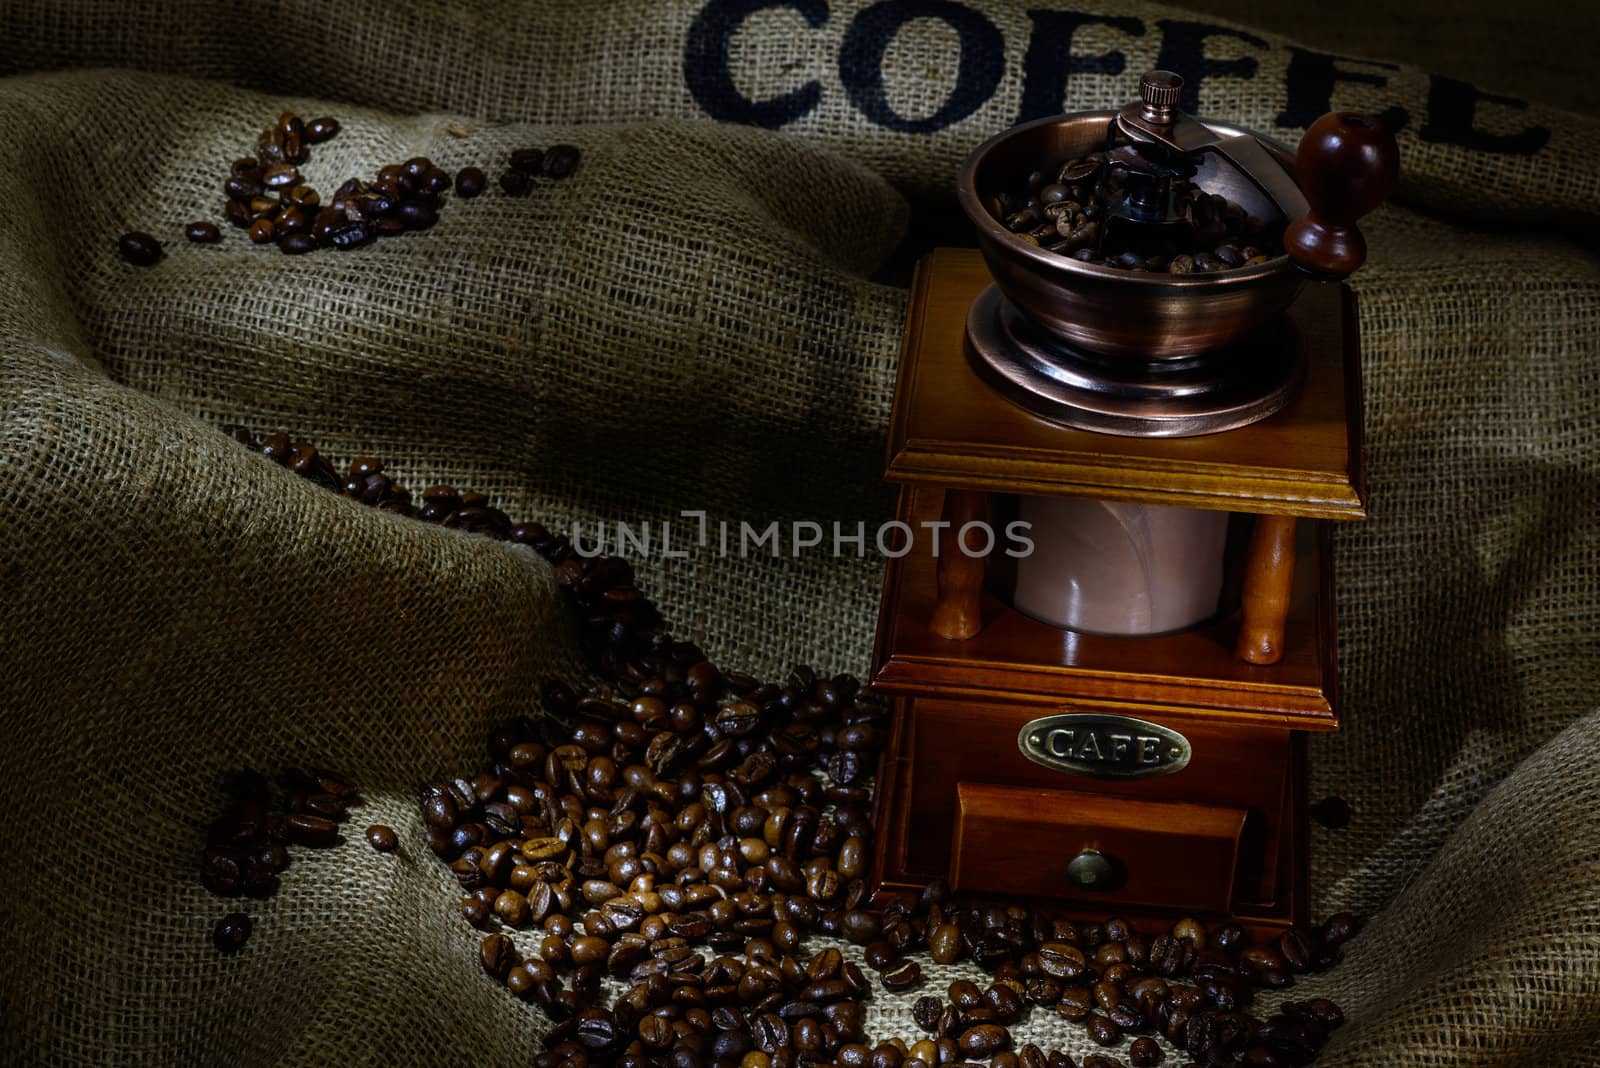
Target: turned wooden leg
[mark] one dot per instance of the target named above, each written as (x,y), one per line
(1268,582)
(957,613)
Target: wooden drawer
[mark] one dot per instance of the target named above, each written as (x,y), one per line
(974,743)
(1019,841)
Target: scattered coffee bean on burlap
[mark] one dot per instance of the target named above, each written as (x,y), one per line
(320,130)
(469,182)
(269,198)
(514,183)
(231,932)
(203,233)
(560,161)
(139,248)
(382,838)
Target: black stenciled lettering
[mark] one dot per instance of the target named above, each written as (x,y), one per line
(1309,82)
(710,82)
(1452,109)
(980,66)
(1183,51)
(1049,63)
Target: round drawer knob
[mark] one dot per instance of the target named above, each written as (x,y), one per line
(1091,870)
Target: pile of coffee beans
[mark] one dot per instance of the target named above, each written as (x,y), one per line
(271,201)
(1064,211)
(247,845)
(683,830)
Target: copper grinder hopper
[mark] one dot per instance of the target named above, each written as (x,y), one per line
(1151,353)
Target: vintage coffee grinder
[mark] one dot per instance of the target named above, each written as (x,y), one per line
(1115,720)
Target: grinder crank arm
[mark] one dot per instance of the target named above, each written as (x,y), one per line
(1155,120)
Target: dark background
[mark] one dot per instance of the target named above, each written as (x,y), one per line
(1542,50)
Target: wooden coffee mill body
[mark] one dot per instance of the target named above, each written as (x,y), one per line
(1146,776)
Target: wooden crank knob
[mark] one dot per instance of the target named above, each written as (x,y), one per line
(1347,165)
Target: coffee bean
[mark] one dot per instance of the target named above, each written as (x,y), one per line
(1107,994)
(261,230)
(416,216)
(139,248)
(808,1038)
(1061,961)
(288,137)
(309,830)
(589,950)
(1274,977)
(1295,949)
(1101,1029)
(964,994)
(1078,170)
(477,912)
(886,1055)
(944,944)
(852,1055)
(528,161)
(512,908)
(902,976)
(861,926)
(596,1029)
(321,129)
(497,954)
(243,188)
(382,838)
(560,161)
(926,1012)
(1005,1002)
(469,182)
(1340,928)
(1325,1012)
(1125,1016)
(231,932)
(1100,1060)
(202,233)
(514,184)
(984,1040)
(1043,990)
(280,176)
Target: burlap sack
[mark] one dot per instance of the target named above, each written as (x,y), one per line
(688,324)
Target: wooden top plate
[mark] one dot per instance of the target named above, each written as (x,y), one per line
(950,429)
